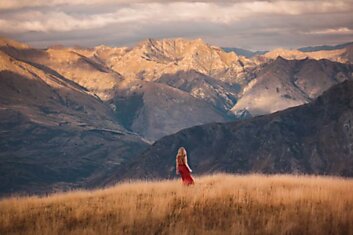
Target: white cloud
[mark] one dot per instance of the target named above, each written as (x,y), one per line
(341,30)
(13,4)
(225,22)
(138,13)
(53,21)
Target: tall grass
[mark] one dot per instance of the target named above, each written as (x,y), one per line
(216,204)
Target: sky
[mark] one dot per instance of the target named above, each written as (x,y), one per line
(254,25)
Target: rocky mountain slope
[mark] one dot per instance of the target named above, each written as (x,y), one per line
(69,115)
(343,54)
(94,76)
(150,59)
(211,84)
(154,110)
(287,83)
(222,96)
(112,74)
(315,138)
(226,81)
(54,134)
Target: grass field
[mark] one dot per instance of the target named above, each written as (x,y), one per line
(216,204)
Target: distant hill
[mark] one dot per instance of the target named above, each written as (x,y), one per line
(250,54)
(244,52)
(341,53)
(287,83)
(325,47)
(197,83)
(54,133)
(314,138)
(71,115)
(127,80)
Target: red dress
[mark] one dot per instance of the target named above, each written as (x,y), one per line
(185,174)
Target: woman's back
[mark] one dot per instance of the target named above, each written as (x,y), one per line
(181,159)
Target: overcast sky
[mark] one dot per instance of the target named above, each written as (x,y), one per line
(255,25)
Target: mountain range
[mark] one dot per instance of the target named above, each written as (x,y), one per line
(54,132)
(287,83)
(314,138)
(70,115)
(325,47)
(244,52)
(221,86)
(323,50)
(342,54)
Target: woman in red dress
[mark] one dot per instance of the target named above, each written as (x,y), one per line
(183,168)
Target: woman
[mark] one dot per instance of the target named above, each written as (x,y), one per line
(182,167)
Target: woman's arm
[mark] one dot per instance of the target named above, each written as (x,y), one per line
(186,164)
(176,167)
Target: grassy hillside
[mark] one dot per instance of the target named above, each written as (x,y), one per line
(217,204)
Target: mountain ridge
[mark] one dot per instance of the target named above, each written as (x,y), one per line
(287,83)
(68,115)
(54,133)
(325,47)
(292,141)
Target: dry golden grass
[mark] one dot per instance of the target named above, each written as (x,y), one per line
(217,204)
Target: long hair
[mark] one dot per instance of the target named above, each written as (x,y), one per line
(181,152)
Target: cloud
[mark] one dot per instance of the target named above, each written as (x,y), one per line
(341,30)
(222,22)
(37,21)
(16,4)
(45,21)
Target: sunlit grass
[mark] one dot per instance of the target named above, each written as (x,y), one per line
(216,204)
